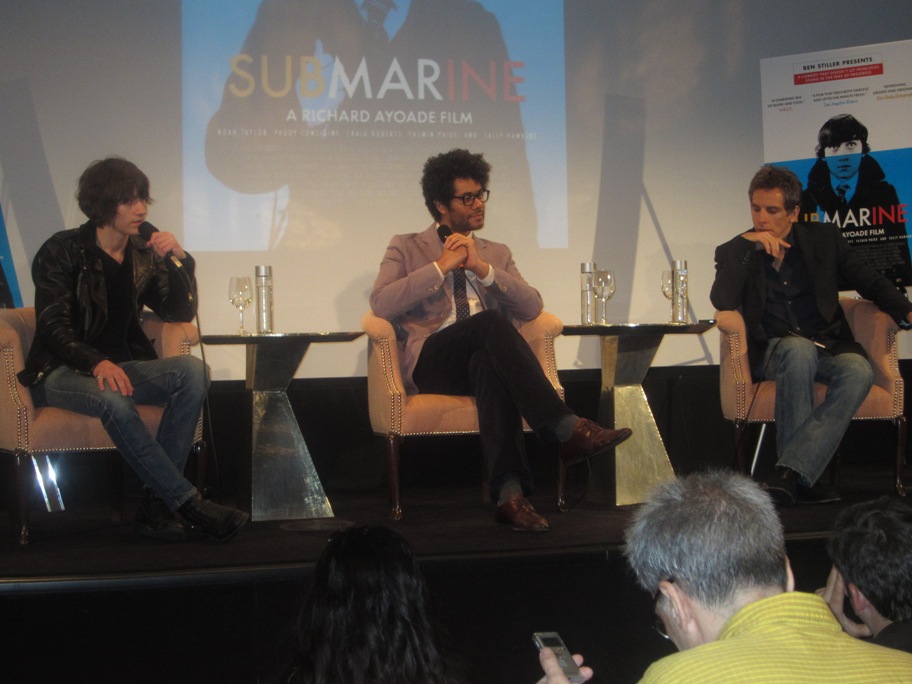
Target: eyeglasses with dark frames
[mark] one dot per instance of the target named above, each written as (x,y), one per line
(469,198)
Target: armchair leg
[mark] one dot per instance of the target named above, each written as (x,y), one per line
(739,428)
(901,435)
(393,445)
(18,506)
(836,467)
(199,452)
(115,465)
(561,484)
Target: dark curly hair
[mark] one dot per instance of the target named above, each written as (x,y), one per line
(871,547)
(108,183)
(441,171)
(365,619)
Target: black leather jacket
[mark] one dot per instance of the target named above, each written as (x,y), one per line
(71,301)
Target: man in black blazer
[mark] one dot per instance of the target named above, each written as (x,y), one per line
(785,278)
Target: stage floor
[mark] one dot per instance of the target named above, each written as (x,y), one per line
(84,544)
(90,600)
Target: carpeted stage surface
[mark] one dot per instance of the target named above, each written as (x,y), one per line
(86,544)
(88,600)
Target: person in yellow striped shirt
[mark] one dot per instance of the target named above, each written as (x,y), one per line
(710,548)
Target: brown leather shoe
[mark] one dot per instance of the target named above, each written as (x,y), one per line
(590,439)
(518,513)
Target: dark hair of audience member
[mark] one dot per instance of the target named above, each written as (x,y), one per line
(872,547)
(365,619)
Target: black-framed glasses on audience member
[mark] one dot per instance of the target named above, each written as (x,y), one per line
(659,624)
(469,198)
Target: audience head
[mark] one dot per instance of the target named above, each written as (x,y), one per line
(840,129)
(716,538)
(441,171)
(365,618)
(771,177)
(108,183)
(871,548)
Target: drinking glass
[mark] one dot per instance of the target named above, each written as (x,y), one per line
(667,287)
(668,284)
(240,294)
(604,290)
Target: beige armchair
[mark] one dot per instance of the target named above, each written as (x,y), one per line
(29,435)
(396,415)
(745,402)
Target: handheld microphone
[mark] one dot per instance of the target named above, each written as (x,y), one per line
(443,232)
(145,232)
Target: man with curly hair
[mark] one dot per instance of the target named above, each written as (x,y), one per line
(462,341)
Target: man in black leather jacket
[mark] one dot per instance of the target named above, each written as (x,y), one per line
(91,356)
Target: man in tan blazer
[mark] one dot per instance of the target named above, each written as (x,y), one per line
(461,340)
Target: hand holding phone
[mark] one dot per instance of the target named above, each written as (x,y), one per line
(568,666)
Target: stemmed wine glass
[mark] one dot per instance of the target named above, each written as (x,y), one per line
(604,290)
(240,295)
(668,284)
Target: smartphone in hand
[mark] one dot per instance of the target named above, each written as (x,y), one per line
(553,641)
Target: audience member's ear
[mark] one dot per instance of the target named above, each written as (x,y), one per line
(681,617)
(789,576)
(860,603)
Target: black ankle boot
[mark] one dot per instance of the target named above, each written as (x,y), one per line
(782,486)
(154,520)
(219,522)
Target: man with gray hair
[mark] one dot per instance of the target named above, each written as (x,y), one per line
(710,548)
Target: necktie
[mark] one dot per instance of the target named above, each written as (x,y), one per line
(376,11)
(459,294)
(841,191)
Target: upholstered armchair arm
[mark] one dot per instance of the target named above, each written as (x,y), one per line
(876,331)
(16,332)
(169,339)
(386,392)
(735,384)
(539,333)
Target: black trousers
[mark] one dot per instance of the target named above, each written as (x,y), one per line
(485,356)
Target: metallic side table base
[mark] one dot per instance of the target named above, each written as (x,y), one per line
(282,483)
(640,463)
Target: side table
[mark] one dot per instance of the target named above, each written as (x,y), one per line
(640,463)
(281,482)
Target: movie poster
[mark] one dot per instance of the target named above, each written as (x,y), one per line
(9,287)
(306,123)
(842,121)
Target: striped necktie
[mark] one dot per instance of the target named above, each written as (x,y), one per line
(841,191)
(459,294)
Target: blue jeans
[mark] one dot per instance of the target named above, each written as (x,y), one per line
(178,383)
(807,437)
